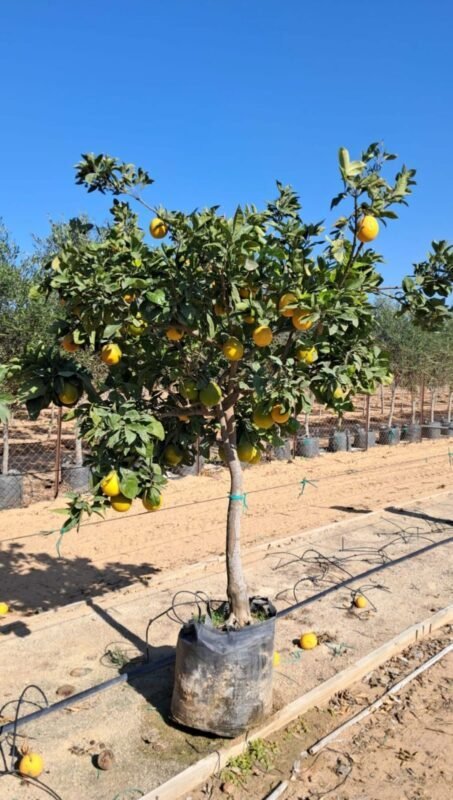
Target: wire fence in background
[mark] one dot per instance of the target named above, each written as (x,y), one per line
(43,457)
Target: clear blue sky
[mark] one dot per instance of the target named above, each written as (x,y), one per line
(219,98)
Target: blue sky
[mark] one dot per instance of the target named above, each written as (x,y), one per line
(217,99)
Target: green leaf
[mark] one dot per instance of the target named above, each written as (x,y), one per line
(129,484)
(157,297)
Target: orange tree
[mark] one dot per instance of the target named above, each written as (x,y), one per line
(220,331)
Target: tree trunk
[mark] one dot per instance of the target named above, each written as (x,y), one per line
(382,399)
(450,404)
(5,457)
(433,404)
(413,407)
(307,428)
(236,585)
(392,405)
(78,448)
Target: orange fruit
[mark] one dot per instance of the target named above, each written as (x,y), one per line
(233,349)
(4,608)
(289,298)
(173,335)
(219,310)
(248,319)
(158,228)
(338,393)
(247,451)
(299,320)
(262,420)
(150,506)
(172,455)
(129,297)
(279,415)
(367,229)
(69,344)
(360,601)
(308,641)
(262,336)
(309,354)
(120,503)
(31,765)
(110,485)
(111,354)
(69,395)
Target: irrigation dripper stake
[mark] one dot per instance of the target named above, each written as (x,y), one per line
(303,483)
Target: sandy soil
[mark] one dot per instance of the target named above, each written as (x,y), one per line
(133,549)
(85,644)
(402,752)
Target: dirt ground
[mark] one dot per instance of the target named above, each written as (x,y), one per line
(130,551)
(404,751)
(87,643)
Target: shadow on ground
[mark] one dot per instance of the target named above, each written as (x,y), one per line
(37,582)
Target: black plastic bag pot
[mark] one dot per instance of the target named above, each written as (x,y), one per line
(411,433)
(308,447)
(433,430)
(11,490)
(223,679)
(389,436)
(338,441)
(361,437)
(76,478)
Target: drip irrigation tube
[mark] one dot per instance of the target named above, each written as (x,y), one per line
(168,660)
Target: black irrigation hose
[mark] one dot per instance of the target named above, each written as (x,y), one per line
(354,578)
(168,660)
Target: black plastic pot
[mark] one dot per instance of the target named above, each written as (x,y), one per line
(411,433)
(338,441)
(223,679)
(391,436)
(76,478)
(432,430)
(361,438)
(308,447)
(283,453)
(11,490)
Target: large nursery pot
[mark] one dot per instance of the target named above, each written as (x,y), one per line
(339,441)
(76,478)
(364,439)
(223,678)
(284,452)
(447,428)
(11,490)
(411,433)
(432,430)
(308,447)
(389,436)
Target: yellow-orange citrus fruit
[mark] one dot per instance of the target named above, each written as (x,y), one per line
(307,354)
(233,349)
(338,393)
(279,415)
(246,451)
(247,291)
(69,344)
(69,395)
(248,319)
(129,298)
(150,506)
(261,419)
(287,299)
(139,329)
(4,608)
(256,459)
(262,336)
(111,354)
(110,485)
(158,228)
(173,335)
(211,394)
(120,503)
(189,390)
(219,310)
(172,455)
(367,229)
(299,320)
(360,601)
(31,765)
(308,641)
(183,418)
